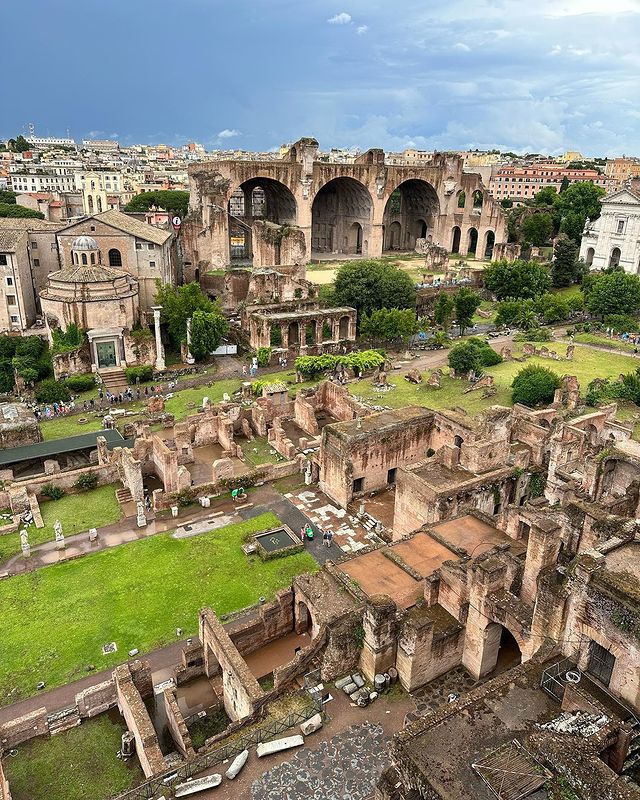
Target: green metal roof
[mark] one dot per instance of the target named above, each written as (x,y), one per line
(13,455)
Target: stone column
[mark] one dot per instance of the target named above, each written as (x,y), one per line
(335,329)
(319,327)
(190,359)
(284,331)
(159,365)
(542,551)
(302,334)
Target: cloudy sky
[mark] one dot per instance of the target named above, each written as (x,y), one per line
(524,75)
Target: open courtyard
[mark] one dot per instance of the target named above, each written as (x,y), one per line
(56,620)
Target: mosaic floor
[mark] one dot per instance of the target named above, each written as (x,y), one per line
(349,533)
(346,767)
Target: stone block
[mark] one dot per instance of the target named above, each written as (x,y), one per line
(311,725)
(358,680)
(342,682)
(278,745)
(350,688)
(237,764)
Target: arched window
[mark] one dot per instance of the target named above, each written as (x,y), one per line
(74,258)
(462,199)
(90,203)
(99,199)
(93,258)
(84,259)
(614,260)
(455,244)
(590,254)
(477,199)
(473,242)
(115,259)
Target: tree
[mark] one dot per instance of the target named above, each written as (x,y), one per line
(565,267)
(168,199)
(466,304)
(579,201)
(552,307)
(564,185)
(538,229)
(178,304)
(369,284)
(14,210)
(520,313)
(613,293)
(207,330)
(443,310)
(534,386)
(20,144)
(7,196)
(517,279)
(545,197)
(390,324)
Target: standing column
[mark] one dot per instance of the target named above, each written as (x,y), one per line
(190,359)
(159,365)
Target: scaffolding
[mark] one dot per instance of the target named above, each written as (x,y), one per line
(511,772)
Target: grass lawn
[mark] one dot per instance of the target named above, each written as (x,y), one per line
(77,764)
(604,341)
(587,365)
(76,512)
(259,452)
(486,305)
(56,619)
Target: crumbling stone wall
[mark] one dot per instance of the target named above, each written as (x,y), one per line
(24,728)
(5,793)
(241,691)
(177,725)
(133,709)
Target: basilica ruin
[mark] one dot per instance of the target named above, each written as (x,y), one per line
(299,208)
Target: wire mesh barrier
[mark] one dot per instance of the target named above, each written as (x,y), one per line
(160,785)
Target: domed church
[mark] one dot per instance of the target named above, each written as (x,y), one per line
(98,298)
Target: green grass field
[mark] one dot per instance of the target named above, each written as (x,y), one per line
(604,341)
(76,512)
(587,365)
(56,619)
(77,764)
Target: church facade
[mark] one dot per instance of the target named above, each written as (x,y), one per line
(614,238)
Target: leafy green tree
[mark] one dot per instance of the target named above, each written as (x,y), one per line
(466,304)
(517,279)
(369,284)
(579,201)
(621,323)
(207,330)
(178,304)
(389,324)
(443,310)
(506,202)
(538,229)
(565,267)
(52,391)
(552,307)
(564,185)
(545,197)
(613,293)
(520,313)
(168,199)
(20,144)
(14,210)
(7,196)
(534,385)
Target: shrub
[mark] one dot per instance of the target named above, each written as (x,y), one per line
(81,383)
(88,480)
(534,385)
(389,324)
(553,307)
(275,338)
(534,335)
(264,356)
(51,391)
(144,373)
(473,354)
(69,340)
(621,323)
(52,491)
(313,366)
(257,387)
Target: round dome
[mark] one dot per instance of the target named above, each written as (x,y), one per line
(84,243)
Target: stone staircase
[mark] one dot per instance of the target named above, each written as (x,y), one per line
(113,379)
(123,496)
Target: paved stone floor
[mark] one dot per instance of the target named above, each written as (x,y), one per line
(346,766)
(435,694)
(349,533)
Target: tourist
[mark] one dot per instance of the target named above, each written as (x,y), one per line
(244,370)
(325,539)
(329,538)
(302,533)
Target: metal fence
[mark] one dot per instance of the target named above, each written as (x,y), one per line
(262,732)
